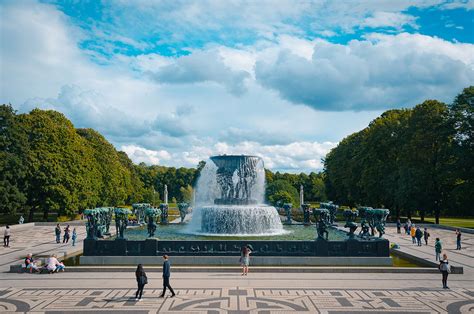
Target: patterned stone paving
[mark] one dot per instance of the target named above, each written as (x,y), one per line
(239,300)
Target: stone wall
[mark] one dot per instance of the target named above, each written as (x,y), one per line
(152,247)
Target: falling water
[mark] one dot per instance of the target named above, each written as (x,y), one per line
(230,199)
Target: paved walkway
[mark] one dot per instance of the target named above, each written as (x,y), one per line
(38,240)
(232,293)
(464,257)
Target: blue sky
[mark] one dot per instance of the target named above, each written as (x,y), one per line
(173,82)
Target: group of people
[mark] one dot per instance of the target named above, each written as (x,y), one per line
(416,235)
(53,265)
(142,278)
(67,234)
(414,231)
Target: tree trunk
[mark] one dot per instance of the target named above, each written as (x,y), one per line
(397,212)
(45,215)
(437,214)
(422,215)
(31,214)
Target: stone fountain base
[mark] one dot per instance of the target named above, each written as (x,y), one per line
(235,220)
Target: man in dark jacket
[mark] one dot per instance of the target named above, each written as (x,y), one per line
(166,277)
(418,235)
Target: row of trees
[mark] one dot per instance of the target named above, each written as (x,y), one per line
(49,166)
(419,159)
(284,187)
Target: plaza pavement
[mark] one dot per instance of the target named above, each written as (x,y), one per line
(232,293)
(464,257)
(214,292)
(38,240)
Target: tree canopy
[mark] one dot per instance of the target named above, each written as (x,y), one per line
(418,159)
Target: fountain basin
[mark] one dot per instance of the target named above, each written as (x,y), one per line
(242,220)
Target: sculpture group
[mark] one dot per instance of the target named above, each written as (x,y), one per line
(98,222)
(372,220)
(99,219)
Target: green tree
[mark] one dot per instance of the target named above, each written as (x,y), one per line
(427,157)
(280,198)
(275,189)
(13,148)
(186,194)
(54,161)
(461,116)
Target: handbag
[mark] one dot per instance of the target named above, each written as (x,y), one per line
(143,280)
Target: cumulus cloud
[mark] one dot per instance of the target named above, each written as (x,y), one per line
(292,157)
(382,71)
(390,19)
(235,135)
(86,108)
(202,66)
(181,114)
(174,124)
(149,157)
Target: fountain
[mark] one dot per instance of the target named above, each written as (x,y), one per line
(229,197)
(228,213)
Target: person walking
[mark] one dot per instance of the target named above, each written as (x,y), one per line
(67,232)
(409,226)
(438,248)
(405,226)
(166,277)
(399,226)
(142,280)
(245,259)
(57,232)
(458,239)
(426,235)
(413,234)
(74,237)
(445,269)
(418,236)
(6,236)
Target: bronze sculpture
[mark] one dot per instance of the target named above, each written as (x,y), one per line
(183,210)
(121,221)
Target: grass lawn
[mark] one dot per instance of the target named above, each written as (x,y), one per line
(453,222)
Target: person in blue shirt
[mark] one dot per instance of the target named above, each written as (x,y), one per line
(74,237)
(166,277)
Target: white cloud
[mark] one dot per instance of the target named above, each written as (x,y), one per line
(390,19)
(202,66)
(384,71)
(87,108)
(140,154)
(292,157)
(191,111)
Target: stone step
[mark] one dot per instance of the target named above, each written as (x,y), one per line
(255,269)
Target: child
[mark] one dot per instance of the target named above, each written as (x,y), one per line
(458,239)
(74,237)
